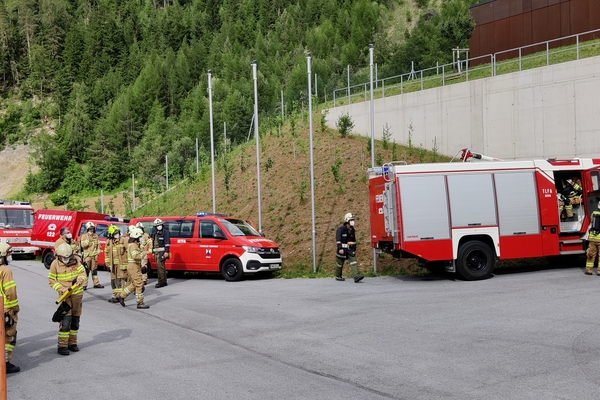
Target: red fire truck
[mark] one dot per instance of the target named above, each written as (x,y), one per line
(466,215)
(16,221)
(47,224)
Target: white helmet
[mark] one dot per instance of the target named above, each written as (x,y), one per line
(158,221)
(89,225)
(348,217)
(136,233)
(64,250)
(129,228)
(4,249)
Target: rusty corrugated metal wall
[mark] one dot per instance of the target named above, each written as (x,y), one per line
(508,24)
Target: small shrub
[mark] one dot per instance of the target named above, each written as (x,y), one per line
(324,120)
(344,125)
(386,136)
(59,198)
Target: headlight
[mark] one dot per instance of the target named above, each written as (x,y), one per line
(251,249)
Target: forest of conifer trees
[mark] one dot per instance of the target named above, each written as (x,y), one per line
(122,83)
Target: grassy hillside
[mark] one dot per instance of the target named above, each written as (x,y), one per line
(341,186)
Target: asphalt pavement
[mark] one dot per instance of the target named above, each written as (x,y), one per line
(527,335)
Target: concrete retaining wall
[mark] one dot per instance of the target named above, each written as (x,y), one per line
(545,112)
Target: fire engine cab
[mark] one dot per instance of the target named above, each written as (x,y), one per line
(465,215)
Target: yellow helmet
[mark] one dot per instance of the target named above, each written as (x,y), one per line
(4,249)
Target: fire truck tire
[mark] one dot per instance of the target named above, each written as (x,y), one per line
(232,270)
(48,258)
(475,261)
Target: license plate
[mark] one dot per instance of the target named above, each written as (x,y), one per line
(275,265)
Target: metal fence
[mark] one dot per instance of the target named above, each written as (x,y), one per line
(521,58)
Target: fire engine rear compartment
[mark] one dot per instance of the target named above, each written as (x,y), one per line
(467,217)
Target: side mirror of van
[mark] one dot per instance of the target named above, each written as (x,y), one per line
(219,235)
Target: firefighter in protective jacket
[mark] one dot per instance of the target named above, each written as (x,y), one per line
(146,246)
(345,238)
(91,248)
(8,289)
(134,257)
(593,242)
(115,256)
(65,271)
(161,245)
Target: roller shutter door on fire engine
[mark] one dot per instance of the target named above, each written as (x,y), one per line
(424,207)
(517,203)
(472,201)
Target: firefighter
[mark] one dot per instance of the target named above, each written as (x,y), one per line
(91,248)
(345,239)
(115,254)
(66,271)
(134,257)
(161,245)
(67,237)
(8,289)
(146,246)
(593,242)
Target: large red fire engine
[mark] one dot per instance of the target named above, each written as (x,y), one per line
(16,221)
(466,215)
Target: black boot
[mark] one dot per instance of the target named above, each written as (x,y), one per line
(11,368)
(63,351)
(358,278)
(73,348)
(143,306)
(121,300)
(339,278)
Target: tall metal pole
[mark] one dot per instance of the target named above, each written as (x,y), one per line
(212,143)
(282,107)
(372,134)
(348,83)
(312,170)
(225,137)
(197,155)
(167,169)
(101,201)
(256,136)
(132,192)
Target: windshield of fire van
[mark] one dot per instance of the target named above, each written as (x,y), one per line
(16,218)
(238,227)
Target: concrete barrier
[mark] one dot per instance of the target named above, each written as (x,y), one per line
(551,111)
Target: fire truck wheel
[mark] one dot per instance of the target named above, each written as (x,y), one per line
(475,261)
(48,258)
(232,270)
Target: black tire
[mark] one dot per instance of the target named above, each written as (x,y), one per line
(47,259)
(475,261)
(232,270)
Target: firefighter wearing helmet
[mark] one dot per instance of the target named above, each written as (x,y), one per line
(67,237)
(91,248)
(8,289)
(593,242)
(115,256)
(68,275)
(146,246)
(134,258)
(161,245)
(345,238)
